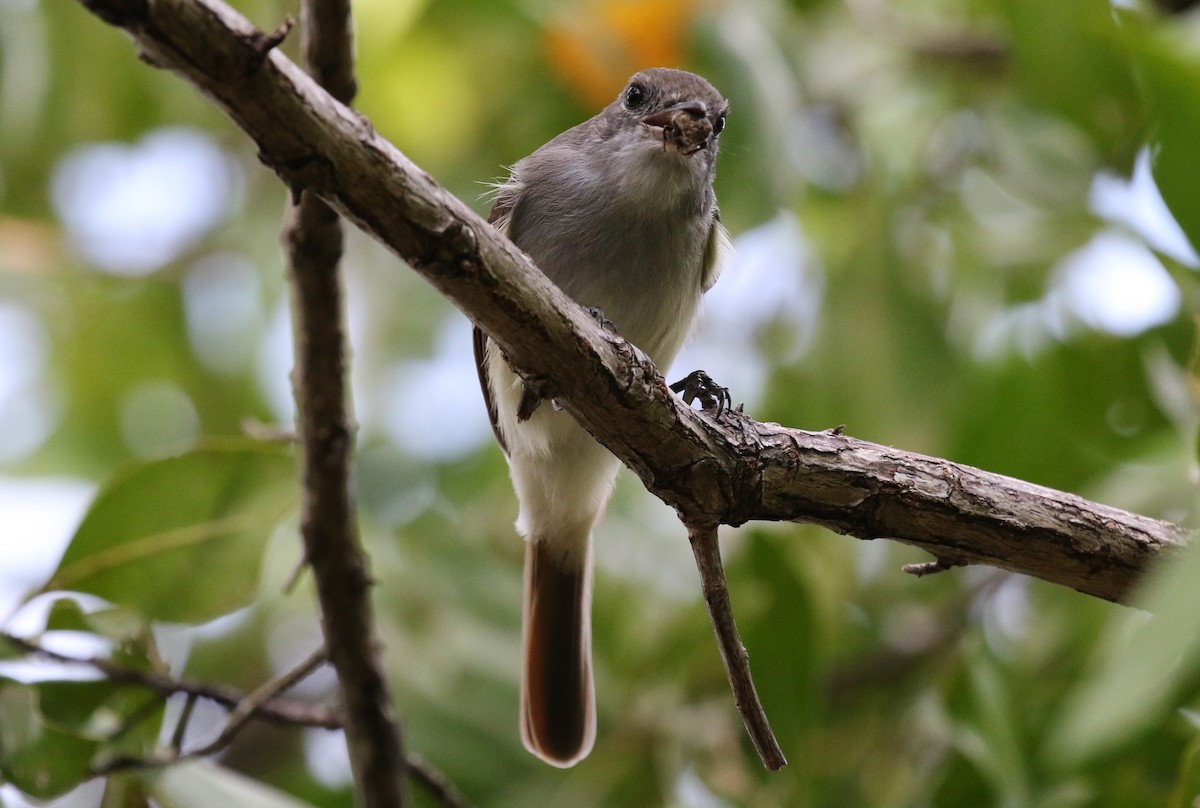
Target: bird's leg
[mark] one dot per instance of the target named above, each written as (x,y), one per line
(531,400)
(699,385)
(598,315)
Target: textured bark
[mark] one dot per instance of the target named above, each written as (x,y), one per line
(313,240)
(730,471)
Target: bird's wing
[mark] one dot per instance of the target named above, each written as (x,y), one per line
(718,251)
(506,200)
(479,341)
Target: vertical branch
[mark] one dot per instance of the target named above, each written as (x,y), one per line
(313,241)
(737,662)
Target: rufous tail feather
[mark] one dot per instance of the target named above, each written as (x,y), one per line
(558,711)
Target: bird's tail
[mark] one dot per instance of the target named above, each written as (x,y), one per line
(558,708)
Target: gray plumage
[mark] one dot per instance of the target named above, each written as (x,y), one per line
(620,213)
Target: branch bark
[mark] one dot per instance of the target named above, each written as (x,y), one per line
(707,552)
(313,242)
(728,471)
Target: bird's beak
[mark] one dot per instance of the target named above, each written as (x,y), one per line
(684,125)
(692,109)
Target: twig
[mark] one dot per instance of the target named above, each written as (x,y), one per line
(295,575)
(278,710)
(235,722)
(275,708)
(250,704)
(185,718)
(267,433)
(737,662)
(436,783)
(923,568)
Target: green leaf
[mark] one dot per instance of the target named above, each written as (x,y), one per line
(124,718)
(990,738)
(73,704)
(9,651)
(1171,79)
(66,614)
(181,539)
(1070,58)
(201,784)
(1142,661)
(780,637)
(1187,783)
(124,791)
(36,756)
(127,626)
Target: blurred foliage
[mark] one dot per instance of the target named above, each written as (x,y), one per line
(214,510)
(948,165)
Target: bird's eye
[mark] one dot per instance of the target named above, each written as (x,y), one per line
(719,125)
(635,96)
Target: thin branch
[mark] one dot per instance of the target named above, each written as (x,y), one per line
(181,725)
(276,709)
(436,783)
(733,653)
(236,721)
(924,568)
(313,241)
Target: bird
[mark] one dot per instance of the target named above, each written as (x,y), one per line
(620,213)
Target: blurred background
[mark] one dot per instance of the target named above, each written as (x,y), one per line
(962,230)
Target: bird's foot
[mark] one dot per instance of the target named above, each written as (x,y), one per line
(699,385)
(597,314)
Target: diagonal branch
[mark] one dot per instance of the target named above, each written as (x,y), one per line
(728,471)
(276,708)
(279,710)
(251,702)
(737,661)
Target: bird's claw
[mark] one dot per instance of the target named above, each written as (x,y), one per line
(597,314)
(528,404)
(699,385)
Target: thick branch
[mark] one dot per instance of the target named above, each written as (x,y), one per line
(728,472)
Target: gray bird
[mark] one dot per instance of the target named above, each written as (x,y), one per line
(620,213)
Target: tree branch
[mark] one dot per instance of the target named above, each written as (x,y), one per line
(251,702)
(276,708)
(737,661)
(730,471)
(313,241)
